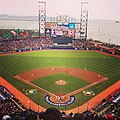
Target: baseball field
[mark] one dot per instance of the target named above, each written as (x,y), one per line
(60,73)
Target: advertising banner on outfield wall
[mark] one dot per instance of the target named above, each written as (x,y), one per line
(71,33)
(53,25)
(53,32)
(47,25)
(71,26)
(47,31)
(77,26)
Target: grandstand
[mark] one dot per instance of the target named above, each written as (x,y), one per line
(40,82)
(13,109)
(108,108)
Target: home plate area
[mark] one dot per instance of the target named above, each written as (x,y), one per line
(59,100)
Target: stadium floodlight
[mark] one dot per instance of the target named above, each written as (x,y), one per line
(42,17)
(84,20)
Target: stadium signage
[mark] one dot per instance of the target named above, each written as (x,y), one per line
(47,99)
(71,26)
(32,91)
(88,93)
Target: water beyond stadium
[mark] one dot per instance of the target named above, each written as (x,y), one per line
(99,29)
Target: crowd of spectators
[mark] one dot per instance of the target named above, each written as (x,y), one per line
(81,44)
(20,45)
(107,109)
(104,46)
(110,45)
(12,109)
(13,45)
(110,105)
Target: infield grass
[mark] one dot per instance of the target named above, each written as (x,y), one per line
(72,83)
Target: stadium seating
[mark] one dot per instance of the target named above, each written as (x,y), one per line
(21,45)
(12,109)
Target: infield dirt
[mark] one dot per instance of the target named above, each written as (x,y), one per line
(79,73)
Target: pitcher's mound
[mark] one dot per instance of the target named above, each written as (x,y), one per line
(60,82)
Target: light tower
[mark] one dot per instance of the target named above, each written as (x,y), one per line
(83,20)
(42,17)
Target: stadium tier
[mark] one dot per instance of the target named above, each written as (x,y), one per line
(13,109)
(70,81)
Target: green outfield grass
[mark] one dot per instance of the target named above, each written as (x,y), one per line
(14,64)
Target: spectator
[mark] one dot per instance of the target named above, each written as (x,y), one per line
(52,114)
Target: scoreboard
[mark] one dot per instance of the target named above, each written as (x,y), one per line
(59,29)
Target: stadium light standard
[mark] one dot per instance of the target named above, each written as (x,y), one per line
(84,20)
(42,17)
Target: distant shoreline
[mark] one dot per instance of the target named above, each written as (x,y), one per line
(96,20)
(36,18)
(18,20)
(102,30)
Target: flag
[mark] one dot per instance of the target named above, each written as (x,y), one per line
(24,34)
(13,32)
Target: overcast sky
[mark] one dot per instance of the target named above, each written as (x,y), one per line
(98,9)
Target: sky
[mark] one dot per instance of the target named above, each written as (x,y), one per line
(98,9)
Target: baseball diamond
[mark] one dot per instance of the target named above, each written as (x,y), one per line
(63,64)
(60,74)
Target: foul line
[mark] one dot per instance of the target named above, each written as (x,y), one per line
(69,94)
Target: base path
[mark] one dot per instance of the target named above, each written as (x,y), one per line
(87,86)
(89,76)
(79,73)
(53,96)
